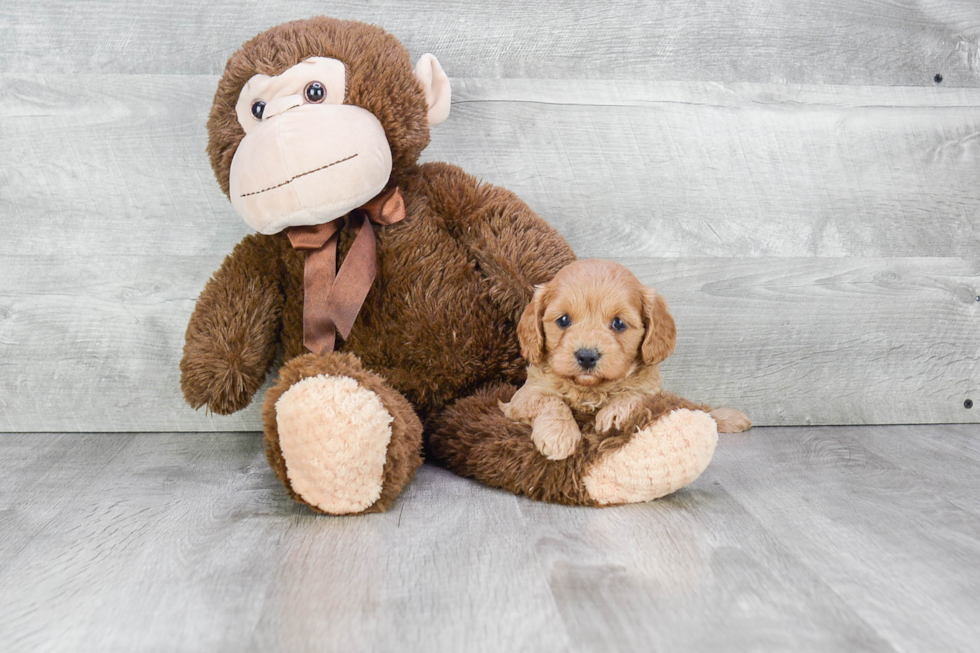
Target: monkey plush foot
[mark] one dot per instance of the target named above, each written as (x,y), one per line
(340,439)
(334,434)
(659,459)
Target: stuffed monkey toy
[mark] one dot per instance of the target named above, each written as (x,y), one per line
(387,291)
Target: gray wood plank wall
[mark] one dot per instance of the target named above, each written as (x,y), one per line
(791,176)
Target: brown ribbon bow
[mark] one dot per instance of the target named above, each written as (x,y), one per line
(332,298)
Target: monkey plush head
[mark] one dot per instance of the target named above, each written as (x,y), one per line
(313,118)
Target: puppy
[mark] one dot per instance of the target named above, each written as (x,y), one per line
(594,338)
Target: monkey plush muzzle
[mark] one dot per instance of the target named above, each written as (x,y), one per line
(308,164)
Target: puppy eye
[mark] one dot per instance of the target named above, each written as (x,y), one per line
(258,107)
(315,92)
(564,321)
(618,324)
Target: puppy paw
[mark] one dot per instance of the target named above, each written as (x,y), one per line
(555,439)
(731,420)
(615,415)
(508,410)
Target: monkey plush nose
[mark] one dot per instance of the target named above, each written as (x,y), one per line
(587,358)
(281,105)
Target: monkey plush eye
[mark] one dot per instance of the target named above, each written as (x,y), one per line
(258,107)
(618,324)
(315,92)
(564,321)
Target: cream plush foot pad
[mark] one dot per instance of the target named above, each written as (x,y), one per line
(658,460)
(334,436)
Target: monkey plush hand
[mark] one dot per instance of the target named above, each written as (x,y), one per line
(390,289)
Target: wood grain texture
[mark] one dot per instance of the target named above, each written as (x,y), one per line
(799,231)
(692,572)
(943,459)
(36,474)
(824,341)
(110,165)
(142,545)
(824,41)
(95,345)
(870,529)
(427,576)
(735,170)
(116,164)
(187,542)
(793,539)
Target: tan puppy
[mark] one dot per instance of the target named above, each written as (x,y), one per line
(594,338)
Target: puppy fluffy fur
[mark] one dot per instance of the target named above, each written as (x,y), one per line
(593,309)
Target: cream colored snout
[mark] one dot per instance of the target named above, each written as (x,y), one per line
(281,105)
(307,164)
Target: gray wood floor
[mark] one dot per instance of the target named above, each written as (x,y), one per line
(803,539)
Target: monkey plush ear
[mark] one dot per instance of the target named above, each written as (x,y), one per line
(661,334)
(530,331)
(436,85)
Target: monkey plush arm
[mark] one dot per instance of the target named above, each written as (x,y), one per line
(514,247)
(232,335)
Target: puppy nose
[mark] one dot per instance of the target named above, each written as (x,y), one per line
(587,358)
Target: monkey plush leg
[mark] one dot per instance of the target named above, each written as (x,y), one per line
(666,445)
(338,437)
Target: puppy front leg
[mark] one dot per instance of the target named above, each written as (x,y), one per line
(553,428)
(554,431)
(617,412)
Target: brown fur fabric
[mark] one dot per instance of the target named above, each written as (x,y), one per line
(231,338)
(405,450)
(440,320)
(453,277)
(474,438)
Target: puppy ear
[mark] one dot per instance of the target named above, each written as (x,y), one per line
(661,333)
(530,331)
